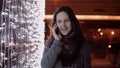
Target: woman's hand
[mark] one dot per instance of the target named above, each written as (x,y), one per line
(55,35)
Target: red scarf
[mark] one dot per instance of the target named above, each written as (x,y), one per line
(69,41)
(68,54)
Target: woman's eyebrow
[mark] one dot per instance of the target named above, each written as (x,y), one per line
(67,18)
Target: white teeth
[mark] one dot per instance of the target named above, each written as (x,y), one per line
(63,29)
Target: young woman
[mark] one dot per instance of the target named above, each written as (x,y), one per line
(67,48)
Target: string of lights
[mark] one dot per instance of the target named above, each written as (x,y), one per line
(22,33)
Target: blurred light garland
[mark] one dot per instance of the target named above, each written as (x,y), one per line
(22,33)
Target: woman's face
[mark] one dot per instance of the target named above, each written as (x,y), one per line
(63,23)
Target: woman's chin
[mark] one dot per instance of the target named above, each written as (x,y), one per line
(64,34)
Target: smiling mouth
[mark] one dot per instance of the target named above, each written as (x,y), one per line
(64,29)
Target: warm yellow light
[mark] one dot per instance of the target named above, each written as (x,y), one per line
(91,17)
(99,29)
(112,32)
(109,46)
(101,33)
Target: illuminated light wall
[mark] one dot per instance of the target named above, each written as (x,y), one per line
(22,33)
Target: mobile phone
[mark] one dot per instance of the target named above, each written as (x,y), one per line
(57,31)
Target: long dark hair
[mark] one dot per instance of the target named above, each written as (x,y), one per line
(75,23)
(78,39)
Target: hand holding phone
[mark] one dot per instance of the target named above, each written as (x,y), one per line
(56,33)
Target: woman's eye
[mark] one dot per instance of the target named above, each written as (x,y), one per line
(67,20)
(58,21)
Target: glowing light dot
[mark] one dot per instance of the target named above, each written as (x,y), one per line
(101,33)
(112,32)
(109,46)
(99,29)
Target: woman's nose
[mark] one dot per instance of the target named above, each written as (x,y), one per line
(63,24)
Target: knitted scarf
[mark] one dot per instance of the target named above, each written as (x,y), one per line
(69,53)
